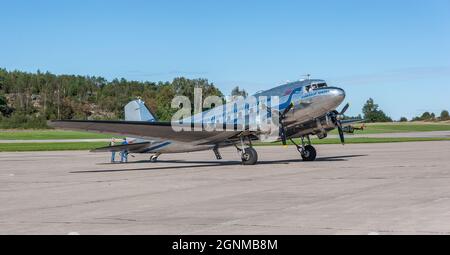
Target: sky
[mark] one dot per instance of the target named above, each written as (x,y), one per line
(397,52)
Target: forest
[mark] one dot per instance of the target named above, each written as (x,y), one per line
(28,100)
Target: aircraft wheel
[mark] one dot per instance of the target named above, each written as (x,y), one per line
(153,158)
(250,157)
(309,153)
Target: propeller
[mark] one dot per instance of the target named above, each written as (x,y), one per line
(344,109)
(334,118)
(283,127)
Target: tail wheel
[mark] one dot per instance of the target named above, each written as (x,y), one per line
(249,157)
(153,158)
(309,153)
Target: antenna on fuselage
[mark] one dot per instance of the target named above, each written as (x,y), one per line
(307,77)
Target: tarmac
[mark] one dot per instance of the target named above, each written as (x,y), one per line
(395,188)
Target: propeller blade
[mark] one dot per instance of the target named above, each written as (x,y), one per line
(283,140)
(334,118)
(287,110)
(341,132)
(283,135)
(282,127)
(344,109)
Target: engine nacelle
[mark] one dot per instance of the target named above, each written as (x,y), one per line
(320,127)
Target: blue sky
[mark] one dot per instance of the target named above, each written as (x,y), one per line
(397,52)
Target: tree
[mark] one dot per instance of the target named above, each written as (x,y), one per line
(403,119)
(346,117)
(88,97)
(372,114)
(5,110)
(444,115)
(2,100)
(237,92)
(426,116)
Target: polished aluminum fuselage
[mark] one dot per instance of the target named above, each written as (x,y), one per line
(307,116)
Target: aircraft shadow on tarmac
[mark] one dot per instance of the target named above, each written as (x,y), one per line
(203,164)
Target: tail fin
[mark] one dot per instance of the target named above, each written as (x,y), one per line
(136,110)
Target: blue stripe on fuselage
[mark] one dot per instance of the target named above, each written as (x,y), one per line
(288,101)
(319,91)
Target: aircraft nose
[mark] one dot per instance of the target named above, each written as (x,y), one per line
(338,94)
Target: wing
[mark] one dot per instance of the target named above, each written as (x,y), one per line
(134,147)
(145,130)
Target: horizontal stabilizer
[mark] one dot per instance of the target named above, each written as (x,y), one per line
(132,147)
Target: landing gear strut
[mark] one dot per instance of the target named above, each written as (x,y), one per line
(307,151)
(217,153)
(248,155)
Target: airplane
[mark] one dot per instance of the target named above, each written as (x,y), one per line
(306,108)
(352,129)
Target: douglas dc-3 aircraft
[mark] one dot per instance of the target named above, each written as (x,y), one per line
(306,107)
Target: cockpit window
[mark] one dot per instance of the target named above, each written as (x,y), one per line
(318,85)
(314,86)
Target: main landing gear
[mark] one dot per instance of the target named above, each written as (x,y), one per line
(307,151)
(249,156)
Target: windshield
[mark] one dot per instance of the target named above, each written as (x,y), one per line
(314,86)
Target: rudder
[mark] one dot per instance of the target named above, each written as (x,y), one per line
(136,110)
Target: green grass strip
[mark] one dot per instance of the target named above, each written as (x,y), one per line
(49,135)
(13,147)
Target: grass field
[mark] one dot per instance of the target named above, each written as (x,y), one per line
(17,147)
(4,147)
(362,140)
(379,128)
(375,128)
(48,135)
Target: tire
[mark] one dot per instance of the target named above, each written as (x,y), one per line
(309,154)
(250,157)
(153,159)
